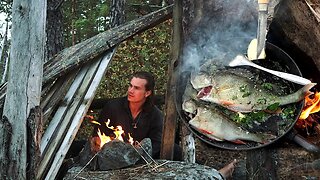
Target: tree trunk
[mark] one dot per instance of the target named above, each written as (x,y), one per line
(54,28)
(24,84)
(117,14)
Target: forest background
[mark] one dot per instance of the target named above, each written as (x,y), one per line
(148,51)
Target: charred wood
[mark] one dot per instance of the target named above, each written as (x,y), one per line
(6,137)
(34,133)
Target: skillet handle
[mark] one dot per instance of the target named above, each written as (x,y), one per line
(297,138)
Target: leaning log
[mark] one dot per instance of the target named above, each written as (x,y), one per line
(63,129)
(67,120)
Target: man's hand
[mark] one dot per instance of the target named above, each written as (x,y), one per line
(95,144)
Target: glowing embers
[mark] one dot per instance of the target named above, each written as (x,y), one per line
(308,118)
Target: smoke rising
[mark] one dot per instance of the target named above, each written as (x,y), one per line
(220,30)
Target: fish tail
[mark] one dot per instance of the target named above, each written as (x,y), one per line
(305,90)
(298,95)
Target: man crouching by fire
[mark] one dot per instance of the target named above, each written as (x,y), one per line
(135,113)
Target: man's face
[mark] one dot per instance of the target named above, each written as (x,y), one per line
(137,91)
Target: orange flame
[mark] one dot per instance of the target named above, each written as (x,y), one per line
(118,131)
(311,105)
(131,141)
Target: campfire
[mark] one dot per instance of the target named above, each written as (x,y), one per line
(118,132)
(309,119)
(116,151)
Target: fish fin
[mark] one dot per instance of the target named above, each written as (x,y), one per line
(238,141)
(214,137)
(306,89)
(226,103)
(206,131)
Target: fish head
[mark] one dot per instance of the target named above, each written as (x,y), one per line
(200,80)
(201,118)
(196,121)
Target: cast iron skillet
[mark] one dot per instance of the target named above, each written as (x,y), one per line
(277,125)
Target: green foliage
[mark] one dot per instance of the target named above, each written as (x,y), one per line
(88,18)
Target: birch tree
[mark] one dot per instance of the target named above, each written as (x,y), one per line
(18,126)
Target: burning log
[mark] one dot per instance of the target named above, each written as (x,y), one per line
(309,121)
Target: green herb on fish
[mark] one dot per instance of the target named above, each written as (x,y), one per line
(243,88)
(245,119)
(289,112)
(261,101)
(234,97)
(273,107)
(246,94)
(267,86)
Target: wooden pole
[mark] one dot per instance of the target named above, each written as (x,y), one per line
(169,127)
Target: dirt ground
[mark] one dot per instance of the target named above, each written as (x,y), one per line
(291,160)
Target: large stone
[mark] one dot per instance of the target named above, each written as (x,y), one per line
(162,169)
(116,154)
